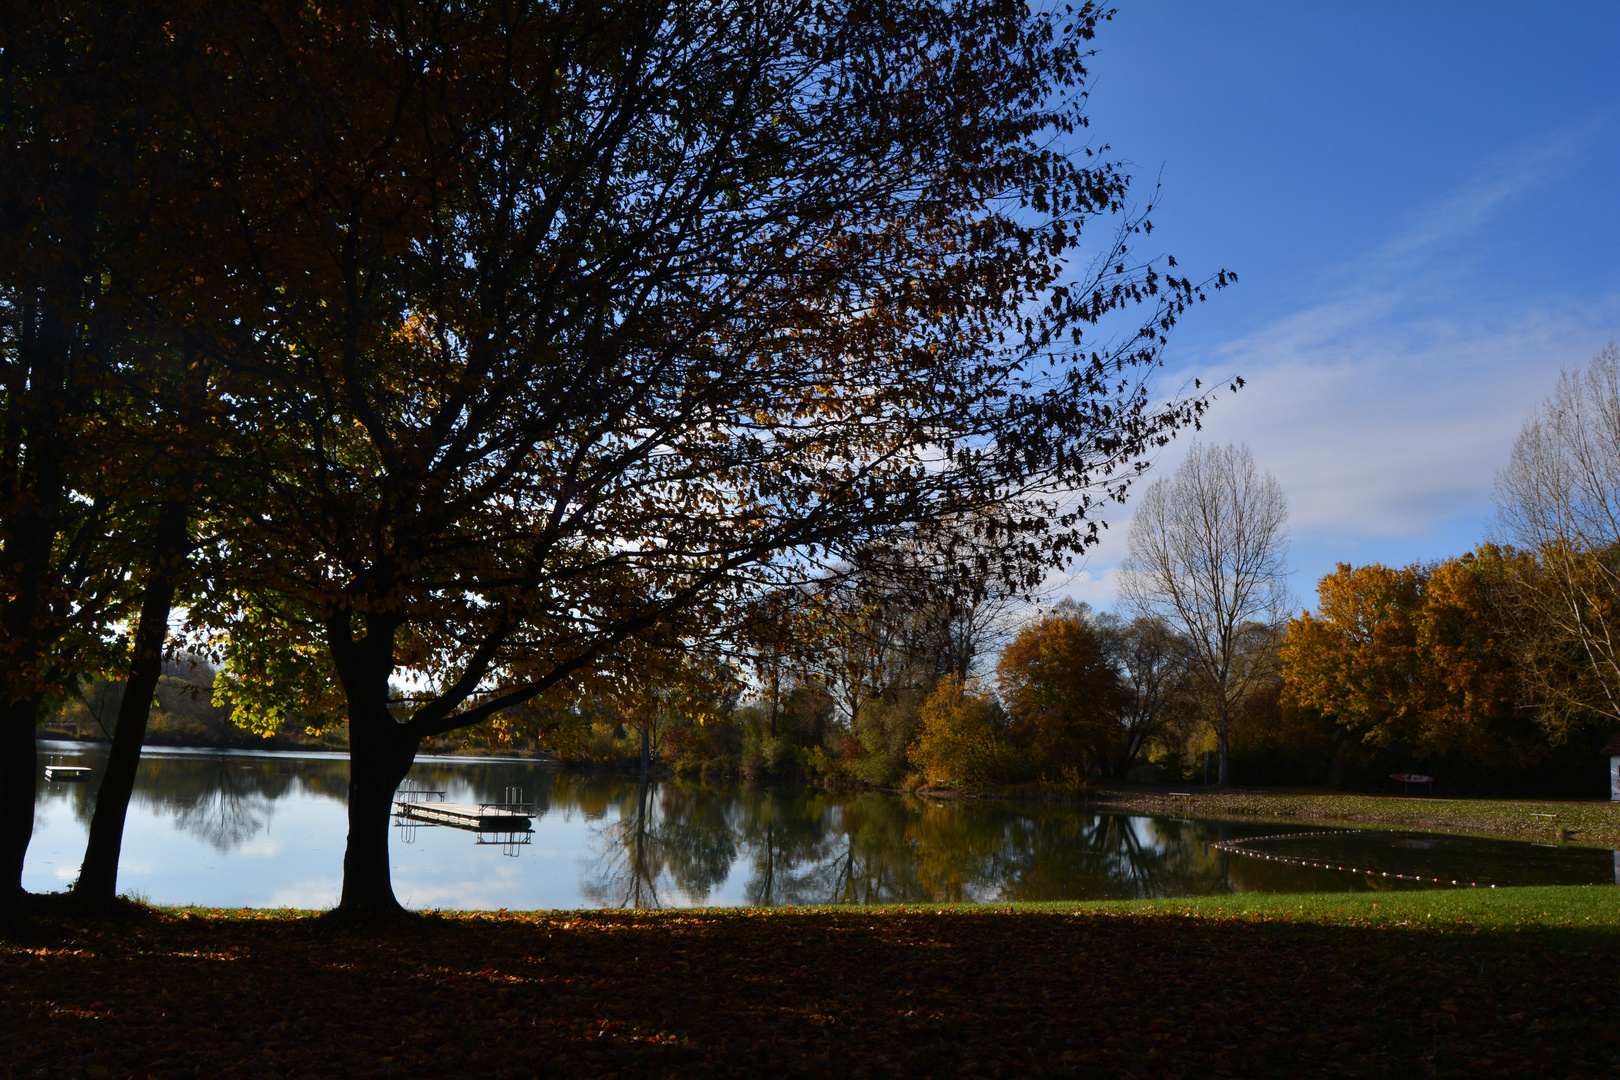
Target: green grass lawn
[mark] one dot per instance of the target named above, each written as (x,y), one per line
(1450,982)
(1587,908)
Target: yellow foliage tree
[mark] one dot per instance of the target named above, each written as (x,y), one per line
(959,744)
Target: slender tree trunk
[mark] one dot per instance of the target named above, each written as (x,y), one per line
(98,876)
(1223,776)
(776,687)
(646,752)
(19,777)
(27,555)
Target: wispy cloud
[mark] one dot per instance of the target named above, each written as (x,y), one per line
(1512,174)
(1386,407)
(1392,425)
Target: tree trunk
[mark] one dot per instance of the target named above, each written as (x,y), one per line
(378,761)
(646,753)
(19,776)
(98,876)
(380,754)
(776,687)
(28,549)
(1223,776)
(32,493)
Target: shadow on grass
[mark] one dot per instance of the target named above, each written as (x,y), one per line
(1099,989)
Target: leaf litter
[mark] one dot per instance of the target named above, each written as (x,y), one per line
(756,993)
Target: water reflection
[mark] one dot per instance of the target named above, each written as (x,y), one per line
(666,843)
(265,829)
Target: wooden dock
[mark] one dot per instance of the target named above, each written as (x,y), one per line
(67,772)
(485,817)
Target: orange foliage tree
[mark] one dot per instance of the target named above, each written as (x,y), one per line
(1058,682)
(1415,658)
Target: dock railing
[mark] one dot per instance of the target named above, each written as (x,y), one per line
(411,791)
(508,840)
(515,803)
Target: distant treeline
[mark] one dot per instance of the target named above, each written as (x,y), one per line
(183,714)
(1440,669)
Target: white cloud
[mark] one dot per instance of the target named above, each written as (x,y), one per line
(1386,408)
(1487,193)
(1384,426)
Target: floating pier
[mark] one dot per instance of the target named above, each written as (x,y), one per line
(67,772)
(428,807)
(484,817)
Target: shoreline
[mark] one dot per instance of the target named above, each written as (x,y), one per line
(1583,824)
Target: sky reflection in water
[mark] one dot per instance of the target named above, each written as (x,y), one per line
(226,829)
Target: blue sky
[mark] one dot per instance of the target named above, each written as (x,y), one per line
(1422,203)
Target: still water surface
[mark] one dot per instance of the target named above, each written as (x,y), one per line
(233,829)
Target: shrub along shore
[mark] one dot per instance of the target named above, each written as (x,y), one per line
(1464,982)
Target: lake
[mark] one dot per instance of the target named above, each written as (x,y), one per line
(243,829)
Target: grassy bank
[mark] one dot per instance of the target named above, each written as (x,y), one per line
(1589,909)
(1592,823)
(1457,982)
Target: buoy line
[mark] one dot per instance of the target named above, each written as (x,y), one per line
(1236,848)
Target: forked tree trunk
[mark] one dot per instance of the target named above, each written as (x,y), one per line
(98,876)
(377,764)
(380,754)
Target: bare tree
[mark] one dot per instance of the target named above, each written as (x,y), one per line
(1208,554)
(1151,662)
(1559,501)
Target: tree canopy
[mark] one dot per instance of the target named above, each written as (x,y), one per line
(548,334)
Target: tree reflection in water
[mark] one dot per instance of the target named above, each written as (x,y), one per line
(873,860)
(878,849)
(666,840)
(1105,856)
(787,841)
(226,801)
(222,799)
(662,844)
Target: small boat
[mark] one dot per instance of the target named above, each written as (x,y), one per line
(67,772)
